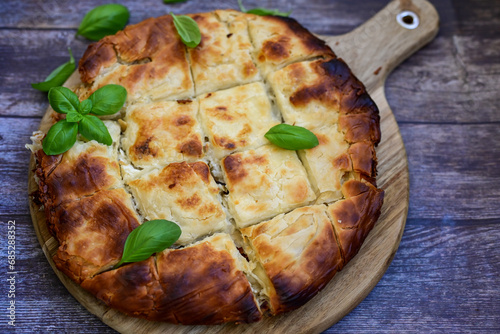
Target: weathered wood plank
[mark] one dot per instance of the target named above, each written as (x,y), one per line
(325,17)
(334,17)
(14,161)
(452,80)
(454,170)
(444,279)
(21,53)
(445,276)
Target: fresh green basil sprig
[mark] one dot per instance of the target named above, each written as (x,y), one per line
(188,30)
(58,76)
(262,11)
(151,237)
(61,136)
(103,21)
(291,137)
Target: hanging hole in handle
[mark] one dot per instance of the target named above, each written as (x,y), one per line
(408,20)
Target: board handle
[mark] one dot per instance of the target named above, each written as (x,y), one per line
(383,42)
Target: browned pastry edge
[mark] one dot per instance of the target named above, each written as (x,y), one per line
(295,281)
(277,49)
(92,232)
(354,217)
(193,285)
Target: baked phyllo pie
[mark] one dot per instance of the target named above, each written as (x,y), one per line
(263,229)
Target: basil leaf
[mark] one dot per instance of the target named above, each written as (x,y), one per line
(103,21)
(93,128)
(63,100)
(173,1)
(291,137)
(58,76)
(265,12)
(60,138)
(151,237)
(262,11)
(85,107)
(73,117)
(108,99)
(188,30)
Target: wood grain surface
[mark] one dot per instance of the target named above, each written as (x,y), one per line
(445,277)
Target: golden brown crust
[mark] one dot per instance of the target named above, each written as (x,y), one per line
(203,285)
(360,127)
(183,193)
(147,58)
(299,253)
(282,40)
(222,59)
(265,182)
(308,91)
(162,132)
(92,232)
(133,288)
(354,217)
(82,171)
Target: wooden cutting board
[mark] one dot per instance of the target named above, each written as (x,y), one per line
(372,51)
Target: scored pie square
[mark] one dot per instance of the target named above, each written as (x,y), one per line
(147,58)
(183,193)
(237,118)
(162,132)
(92,232)
(223,57)
(279,41)
(327,164)
(298,251)
(213,277)
(83,170)
(264,182)
(304,94)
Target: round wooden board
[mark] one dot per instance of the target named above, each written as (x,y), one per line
(372,51)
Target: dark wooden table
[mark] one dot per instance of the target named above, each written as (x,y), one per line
(445,276)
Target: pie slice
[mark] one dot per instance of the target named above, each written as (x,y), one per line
(353,217)
(185,194)
(280,41)
(222,60)
(263,183)
(236,119)
(328,164)
(299,254)
(206,283)
(147,58)
(92,232)
(162,132)
(83,170)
